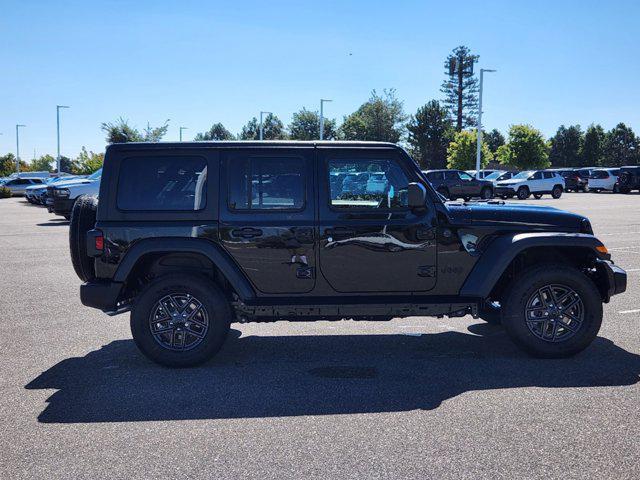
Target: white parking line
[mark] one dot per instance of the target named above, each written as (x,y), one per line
(637,310)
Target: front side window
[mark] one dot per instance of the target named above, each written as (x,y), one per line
(266,183)
(162,183)
(367,184)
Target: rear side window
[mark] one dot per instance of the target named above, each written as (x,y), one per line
(367,184)
(266,183)
(548,174)
(162,183)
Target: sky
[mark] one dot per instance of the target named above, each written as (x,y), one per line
(200,62)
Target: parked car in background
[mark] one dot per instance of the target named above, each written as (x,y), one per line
(482,174)
(536,182)
(18,185)
(573,182)
(455,184)
(604,179)
(36,193)
(629,179)
(499,175)
(64,194)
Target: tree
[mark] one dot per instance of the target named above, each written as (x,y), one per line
(121,132)
(7,164)
(430,132)
(381,119)
(526,149)
(593,149)
(272,127)
(621,146)
(66,165)
(42,164)
(566,147)
(86,163)
(461,87)
(494,139)
(462,150)
(216,132)
(305,125)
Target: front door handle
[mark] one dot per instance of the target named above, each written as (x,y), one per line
(246,232)
(340,232)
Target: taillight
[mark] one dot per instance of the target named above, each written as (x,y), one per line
(99,240)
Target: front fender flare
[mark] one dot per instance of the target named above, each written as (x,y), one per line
(501,252)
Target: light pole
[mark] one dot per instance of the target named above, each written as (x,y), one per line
(479,127)
(322,100)
(181,129)
(18,147)
(261,124)
(58,107)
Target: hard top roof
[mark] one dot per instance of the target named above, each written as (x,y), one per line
(250,144)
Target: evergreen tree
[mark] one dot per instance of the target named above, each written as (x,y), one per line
(593,149)
(461,87)
(272,128)
(566,147)
(494,139)
(621,146)
(216,132)
(430,132)
(381,119)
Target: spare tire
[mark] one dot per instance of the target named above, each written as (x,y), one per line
(83,219)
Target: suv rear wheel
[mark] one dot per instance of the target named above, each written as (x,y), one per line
(552,311)
(556,192)
(180,320)
(486,193)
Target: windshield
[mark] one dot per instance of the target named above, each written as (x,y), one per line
(524,175)
(95,175)
(493,176)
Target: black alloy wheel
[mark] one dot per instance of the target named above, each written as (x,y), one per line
(554,313)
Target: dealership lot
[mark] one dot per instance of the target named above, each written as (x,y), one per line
(411,398)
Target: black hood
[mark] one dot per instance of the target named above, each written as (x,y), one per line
(517,216)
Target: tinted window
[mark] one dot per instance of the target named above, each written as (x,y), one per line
(162,183)
(434,176)
(465,176)
(368,184)
(266,183)
(536,176)
(615,172)
(451,175)
(548,174)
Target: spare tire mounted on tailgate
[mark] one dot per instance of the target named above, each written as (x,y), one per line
(83,219)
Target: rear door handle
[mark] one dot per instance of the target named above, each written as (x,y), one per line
(246,232)
(340,232)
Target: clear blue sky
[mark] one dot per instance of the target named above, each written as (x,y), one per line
(199,62)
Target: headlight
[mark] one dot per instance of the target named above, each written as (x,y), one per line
(62,192)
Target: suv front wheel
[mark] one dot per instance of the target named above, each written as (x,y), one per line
(523,193)
(552,311)
(180,320)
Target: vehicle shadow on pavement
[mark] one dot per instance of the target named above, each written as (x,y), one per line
(265,376)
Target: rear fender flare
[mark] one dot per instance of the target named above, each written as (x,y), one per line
(218,257)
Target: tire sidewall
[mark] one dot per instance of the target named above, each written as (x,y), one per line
(213,301)
(513,314)
(556,192)
(523,193)
(484,195)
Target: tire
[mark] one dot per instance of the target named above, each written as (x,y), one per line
(523,193)
(83,219)
(526,335)
(616,188)
(486,193)
(537,196)
(214,312)
(625,190)
(556,192)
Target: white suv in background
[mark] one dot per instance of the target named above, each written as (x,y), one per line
(603,179)
(536,182)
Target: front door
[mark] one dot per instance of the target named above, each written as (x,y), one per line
(370,241)
(267,212)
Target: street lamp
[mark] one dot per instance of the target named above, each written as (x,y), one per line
(18,147)
(181,129)
(261,124)
(322,100)
(479,128)
(58,107)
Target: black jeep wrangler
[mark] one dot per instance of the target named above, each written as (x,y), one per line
(191,237)
(629,179)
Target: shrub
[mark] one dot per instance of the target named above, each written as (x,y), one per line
(5,192)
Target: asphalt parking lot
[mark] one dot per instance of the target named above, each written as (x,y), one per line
(412,398)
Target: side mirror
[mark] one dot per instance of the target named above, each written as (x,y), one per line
(417,195)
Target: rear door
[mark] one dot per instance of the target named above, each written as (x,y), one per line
(267,212)
(371,241)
